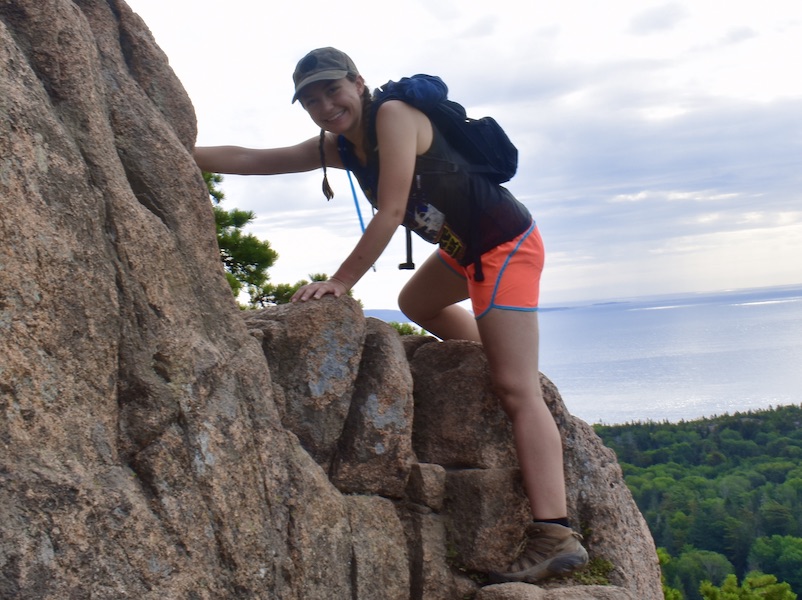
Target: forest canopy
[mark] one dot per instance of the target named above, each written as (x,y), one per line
(721,495)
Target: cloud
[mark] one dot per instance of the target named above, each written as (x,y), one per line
(659,147)
(739,34)
(658,19)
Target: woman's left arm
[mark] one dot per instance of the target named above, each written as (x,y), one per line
(399,129)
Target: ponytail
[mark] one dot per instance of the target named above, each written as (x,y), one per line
(327,191)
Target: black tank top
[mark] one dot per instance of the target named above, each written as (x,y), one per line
(464,213)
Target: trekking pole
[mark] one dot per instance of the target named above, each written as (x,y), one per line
(409,265)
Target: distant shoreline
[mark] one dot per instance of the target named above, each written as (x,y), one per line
(790,291)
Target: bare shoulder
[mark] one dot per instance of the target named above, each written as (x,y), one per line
(395,109)
(397,118)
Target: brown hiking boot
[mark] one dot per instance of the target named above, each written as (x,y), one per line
(549,550)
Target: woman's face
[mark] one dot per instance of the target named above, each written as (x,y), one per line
(335,106)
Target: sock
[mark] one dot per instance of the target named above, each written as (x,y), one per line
(563,521)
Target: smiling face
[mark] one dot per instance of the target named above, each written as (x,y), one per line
(335,106)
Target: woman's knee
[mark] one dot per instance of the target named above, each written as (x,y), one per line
(421,301)
(516,392)
(511,400)
(409,302)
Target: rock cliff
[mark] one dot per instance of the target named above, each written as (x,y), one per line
(156,442)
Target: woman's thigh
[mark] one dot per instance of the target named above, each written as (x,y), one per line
(510,339)
(433,287)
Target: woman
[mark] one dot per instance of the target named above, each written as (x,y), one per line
(490,251)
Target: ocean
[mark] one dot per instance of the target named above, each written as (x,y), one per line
(674,358)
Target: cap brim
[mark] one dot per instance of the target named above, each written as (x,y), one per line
(321,76)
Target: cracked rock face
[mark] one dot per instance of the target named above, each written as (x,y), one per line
(130,402)
(155,443)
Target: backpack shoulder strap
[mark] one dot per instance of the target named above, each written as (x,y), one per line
(424,92)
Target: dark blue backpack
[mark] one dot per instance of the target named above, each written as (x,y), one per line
(481,142)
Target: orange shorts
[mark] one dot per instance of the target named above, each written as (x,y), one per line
(512,274)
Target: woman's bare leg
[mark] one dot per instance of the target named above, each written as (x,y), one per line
(510,340)
(430,299)
(551,549)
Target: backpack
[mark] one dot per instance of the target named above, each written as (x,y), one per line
(481,142)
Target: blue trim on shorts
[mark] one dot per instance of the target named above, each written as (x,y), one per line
(510,308)
(450,268)
(492,304)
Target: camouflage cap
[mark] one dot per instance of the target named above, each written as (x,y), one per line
(322,64)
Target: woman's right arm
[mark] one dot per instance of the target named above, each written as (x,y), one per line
(236,160)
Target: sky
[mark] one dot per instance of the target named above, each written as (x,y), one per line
(660,142)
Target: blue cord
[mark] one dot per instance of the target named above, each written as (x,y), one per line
(356,203)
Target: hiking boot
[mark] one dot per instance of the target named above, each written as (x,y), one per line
(549,550)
